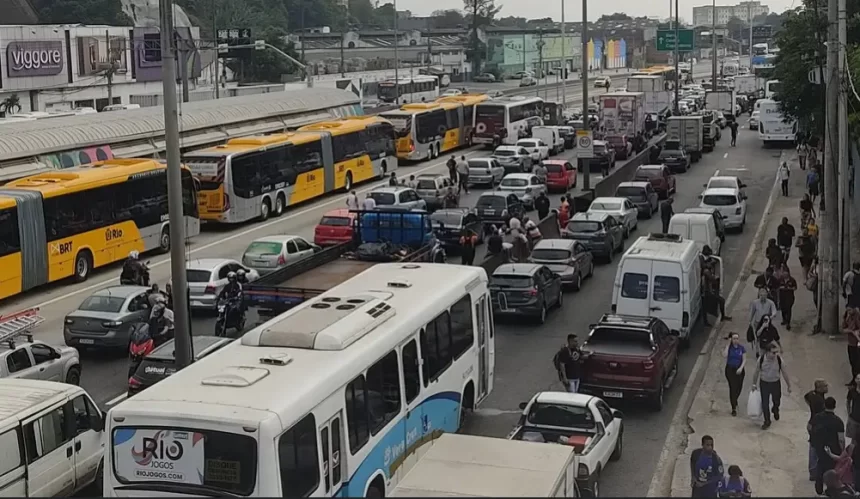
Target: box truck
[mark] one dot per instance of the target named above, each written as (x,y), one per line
(688,131)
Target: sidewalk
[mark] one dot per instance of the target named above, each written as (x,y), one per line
(773,460)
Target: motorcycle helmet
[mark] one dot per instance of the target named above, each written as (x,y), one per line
(133,255)
(240,273)
(231,276)
(158,310)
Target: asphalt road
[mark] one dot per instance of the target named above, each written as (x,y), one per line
(524,352)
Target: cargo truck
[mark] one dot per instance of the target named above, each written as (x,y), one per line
(403,236)
(455,465)
(749,85)
(622,116)
(688,132)
(722,101)
(657,99)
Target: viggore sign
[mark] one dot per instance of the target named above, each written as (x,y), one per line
(36,58)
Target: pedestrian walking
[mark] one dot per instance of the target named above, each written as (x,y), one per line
(392,180)
(812,180)
(851,286)
(773,253)
(542,205)
(852,424)
(451,199)
(767,380)
(468,242)
(785,238)
(759,309)
(540,172)
(735,485)
(802,152)
(369,203)
(769,283)
(666,213)
(736,360)
(806,254)
(568,363)
(706,469)
(784,174)
(352,201)
(812,280)
(452,169)
(787,290)
(851,330)
(807,210)
(815,401)
(733,126)
(563,213)
(463,175)
(828,438)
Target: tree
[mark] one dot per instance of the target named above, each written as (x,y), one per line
(82,11)
(10,105)
(449,19)
(513,22)
(265,65)
(735,27)
(539,22)
(482,13)
(618,16)
(384,15)
(362,12)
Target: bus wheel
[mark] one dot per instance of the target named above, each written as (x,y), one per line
(164,240)
(83,265)
(347,183)
(279,205)
(265,209)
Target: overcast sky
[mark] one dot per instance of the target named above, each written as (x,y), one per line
(573,9)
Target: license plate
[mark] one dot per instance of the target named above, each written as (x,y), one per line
(87,342)
(489,212)
(614,395)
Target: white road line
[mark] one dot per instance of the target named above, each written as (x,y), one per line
(116,400)
(725,155)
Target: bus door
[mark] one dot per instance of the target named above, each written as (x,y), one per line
(454,119)
(414,427)
(331,448)
(486,359)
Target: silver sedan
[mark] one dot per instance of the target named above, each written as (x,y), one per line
(622,209)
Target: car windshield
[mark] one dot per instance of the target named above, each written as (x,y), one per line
(514,182)
(630,192)
(719,200)
(729,183)
(426,183)
(550,254)
(614,336)
(605,206)
(599,148)
(584,226)
(448,219)
(335,221)
(197,275)
(383,198)
(112,304)
(479,164)
(504,153)
(551,168)
(649,173)
(670,153)
(615,140)
(561,416)
(260,248)
(511,281)
(491,202)
(527,143)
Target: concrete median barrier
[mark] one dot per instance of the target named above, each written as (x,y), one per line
(606,187)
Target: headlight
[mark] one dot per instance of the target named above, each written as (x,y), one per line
(582,472)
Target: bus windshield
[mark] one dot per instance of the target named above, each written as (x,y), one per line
(387,92)
(402,123)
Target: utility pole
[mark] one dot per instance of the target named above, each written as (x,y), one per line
(182,46)
(396,59)
(677,58)
(829,246)
(844,177)
(713,45)
(563,60)
(540,73)
(217,79)
(586,167)
(750,19)
(174,188)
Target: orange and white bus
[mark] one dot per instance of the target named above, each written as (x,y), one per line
(426,130)
(257,177)
(65,223)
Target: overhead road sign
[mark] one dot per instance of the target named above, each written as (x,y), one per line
(666,40)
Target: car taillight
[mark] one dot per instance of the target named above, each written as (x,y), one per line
(133,382)
(685,319)
(226,202)
(533,292)
(738,210)
(648,365)
(112,324)
(210,290)
(582,472)
(411,147)
(281,260)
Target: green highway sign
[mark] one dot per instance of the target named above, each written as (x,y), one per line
(666,39)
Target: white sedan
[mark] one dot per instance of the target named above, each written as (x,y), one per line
(622,209)
(538,149)
(753,122)
(584,422)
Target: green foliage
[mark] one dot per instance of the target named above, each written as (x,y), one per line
(448,19)
(82,11)
(481,14)
(259,66)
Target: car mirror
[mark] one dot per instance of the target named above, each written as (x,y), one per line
(56,355)
(617,414)
(743,185)
(704,185)
(591,326)
(97,422)
(523,405)
(700,196)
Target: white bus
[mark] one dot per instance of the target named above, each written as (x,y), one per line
(760,49)
(506,120)
(420,88)
(337,397)
(773,126)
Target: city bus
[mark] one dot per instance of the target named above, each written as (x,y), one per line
(506,120)
(337,397)
(773,126)
(65,223)
(260,176)
(424,131)
(419,88)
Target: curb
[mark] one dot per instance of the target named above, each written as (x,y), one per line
(680,427)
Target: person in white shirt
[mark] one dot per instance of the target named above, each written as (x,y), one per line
(369,203)
(352,201)
(784,174)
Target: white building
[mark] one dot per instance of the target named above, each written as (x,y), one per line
(704,15)
(53,68)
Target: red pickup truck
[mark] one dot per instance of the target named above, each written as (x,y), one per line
(629,358)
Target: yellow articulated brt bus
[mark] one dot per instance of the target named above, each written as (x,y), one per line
(258,177)
(65,223)
(427,130)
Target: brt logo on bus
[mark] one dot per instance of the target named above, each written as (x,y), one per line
(111,234)
(61,248)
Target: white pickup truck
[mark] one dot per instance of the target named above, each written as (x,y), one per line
(584,422)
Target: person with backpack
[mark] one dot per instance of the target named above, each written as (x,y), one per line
(828,438)
(812,180)
(770,369)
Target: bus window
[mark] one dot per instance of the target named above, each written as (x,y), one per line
(430,125)
(10,241)
(347,146)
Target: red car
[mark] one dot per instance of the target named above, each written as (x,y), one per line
(623,147)
(660,176)
(334,228)
(560,174)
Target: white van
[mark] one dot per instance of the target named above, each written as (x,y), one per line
(699,228)
(551,136)
(660,276)
(51,436)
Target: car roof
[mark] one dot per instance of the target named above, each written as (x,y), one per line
(527,139)
(610,320)
(497,194)
(524,176)
(723,177)
(390,189)
(430,175)
(594,216)
(721,191)
(339,212)
(517,269)
(208,263)
(276,238)
(651,167)
(199,345)
(121,291)
(507,148)
(462,210)
(486,158)
(641,185)
(555,244)
(564,398)
(608,199)
(555,161)
(702,209)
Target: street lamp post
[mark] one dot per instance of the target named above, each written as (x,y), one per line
(563,77)
(677,56)
(586,167)
(714,45)
(396,59)
(540,45)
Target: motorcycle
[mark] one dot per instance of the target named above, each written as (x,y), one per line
(140,345)
(142,278)
(227,312)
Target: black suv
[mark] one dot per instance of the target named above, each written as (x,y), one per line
(449,222)
(599,232)
(604,158)
(525,289)
(497,208)
(161,362)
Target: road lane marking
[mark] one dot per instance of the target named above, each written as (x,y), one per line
(116,400)
(725,155)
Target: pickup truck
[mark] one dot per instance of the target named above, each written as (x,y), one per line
(586,423)
(378,236)
(630,358)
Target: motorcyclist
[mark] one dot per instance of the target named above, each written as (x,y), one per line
(232,292)
(241,277)
(132,269)
(161,324)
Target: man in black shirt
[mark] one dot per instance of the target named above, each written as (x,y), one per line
(785,237)
(568,363)
(815,400)
(828,438)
